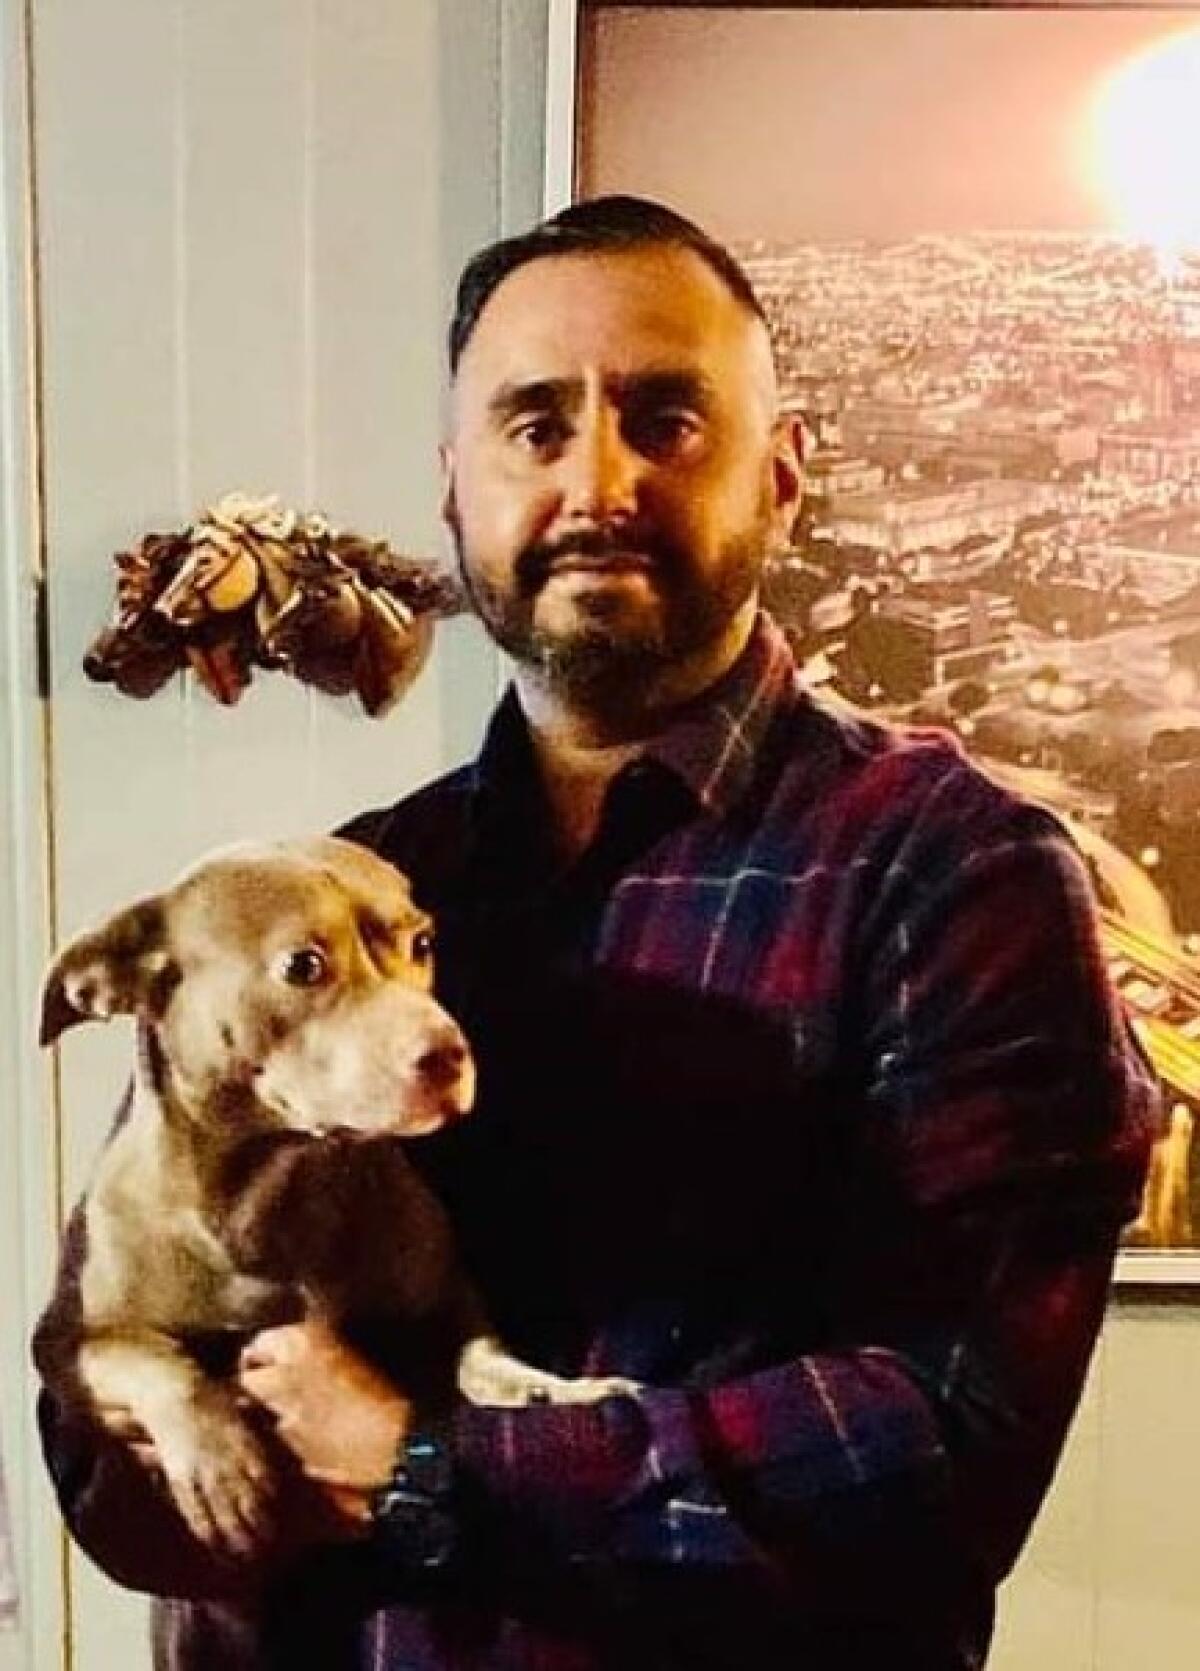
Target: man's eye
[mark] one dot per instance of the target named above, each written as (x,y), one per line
(307,967)
(664,431)
(422,946)
(540,434)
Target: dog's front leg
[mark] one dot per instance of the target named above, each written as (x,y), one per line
(215,1465)
(487,1374)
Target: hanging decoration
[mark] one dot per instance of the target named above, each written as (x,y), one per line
(253,583)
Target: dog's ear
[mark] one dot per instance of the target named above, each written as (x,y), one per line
(123,968)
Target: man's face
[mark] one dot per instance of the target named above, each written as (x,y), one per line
(614,475)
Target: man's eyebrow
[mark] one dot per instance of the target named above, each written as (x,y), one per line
(541,394)
(669,388)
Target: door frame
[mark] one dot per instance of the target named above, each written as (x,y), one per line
(30,1206)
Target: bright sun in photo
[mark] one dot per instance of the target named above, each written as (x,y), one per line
(1143,145)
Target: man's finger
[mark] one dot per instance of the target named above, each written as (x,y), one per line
(260,1384)
(275,1345)
(119,1420)
(257,1352)
(353,1505)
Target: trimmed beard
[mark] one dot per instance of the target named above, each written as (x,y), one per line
(617,661)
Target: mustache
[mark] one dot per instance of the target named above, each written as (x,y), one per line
(539,559)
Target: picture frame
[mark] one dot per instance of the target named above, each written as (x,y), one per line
(1008,470)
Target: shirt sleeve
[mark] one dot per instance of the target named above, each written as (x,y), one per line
(122,1517)
(1006,1118)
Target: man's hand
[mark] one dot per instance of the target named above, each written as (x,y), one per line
(120,1421)
(334,1411)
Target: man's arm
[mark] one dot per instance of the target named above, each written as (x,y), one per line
(1007,1119)
(120,1513)
(864,1466)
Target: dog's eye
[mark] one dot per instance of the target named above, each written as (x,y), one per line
(422,946)
(307,967)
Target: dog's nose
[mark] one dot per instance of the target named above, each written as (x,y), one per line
(443,1066)
(448,1072)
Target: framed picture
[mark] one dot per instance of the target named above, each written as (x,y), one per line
(976,233)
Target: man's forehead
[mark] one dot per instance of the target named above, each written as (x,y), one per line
(671,293)
(644,311)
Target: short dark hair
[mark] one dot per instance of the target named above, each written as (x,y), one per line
(598,225)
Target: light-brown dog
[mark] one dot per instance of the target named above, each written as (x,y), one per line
(287,1038)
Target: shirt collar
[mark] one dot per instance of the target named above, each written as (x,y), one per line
(712,746)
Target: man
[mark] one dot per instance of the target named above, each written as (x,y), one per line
(803,1098)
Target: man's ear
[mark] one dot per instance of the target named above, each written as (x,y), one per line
(123,968)
(787,464)
(448,504)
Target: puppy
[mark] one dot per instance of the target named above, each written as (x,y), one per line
(287,1042)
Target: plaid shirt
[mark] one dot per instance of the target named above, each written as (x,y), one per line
(805,1102)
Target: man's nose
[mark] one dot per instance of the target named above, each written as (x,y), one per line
(601,472)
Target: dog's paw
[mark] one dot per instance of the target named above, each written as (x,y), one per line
(583,1389)
(221,1479)
(487,1374)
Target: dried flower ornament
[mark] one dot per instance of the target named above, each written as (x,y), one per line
(253,583)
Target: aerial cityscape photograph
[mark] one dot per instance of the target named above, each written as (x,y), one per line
(976,236)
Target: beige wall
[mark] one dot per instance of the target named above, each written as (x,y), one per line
(249,216)
(1109,1581)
